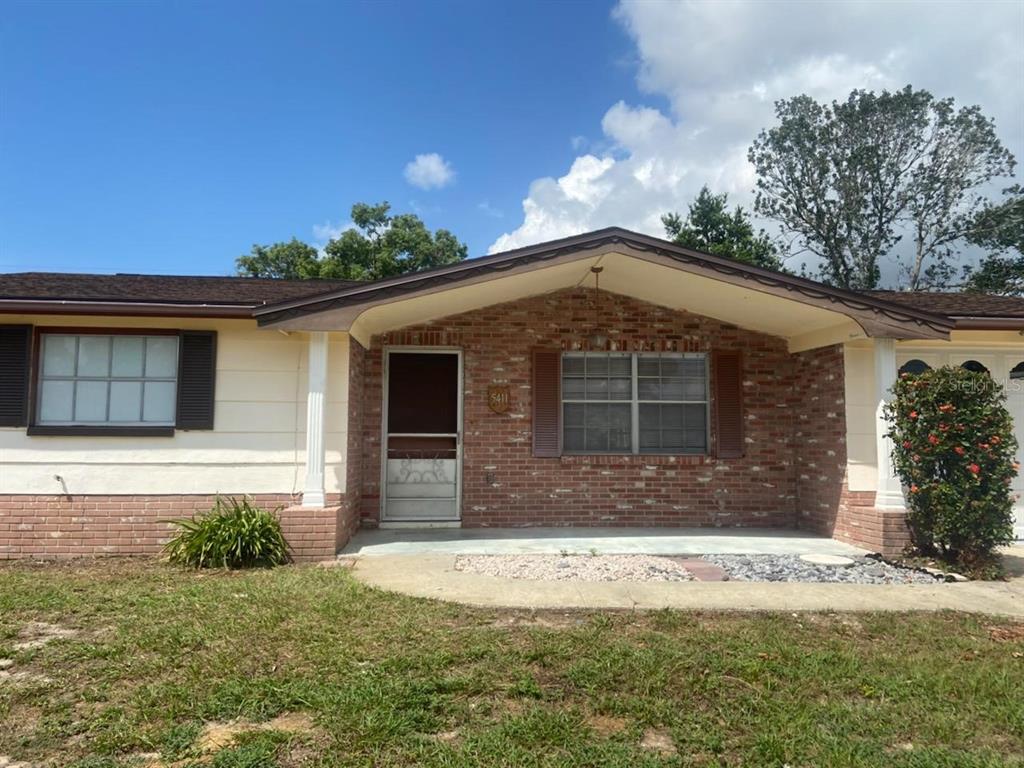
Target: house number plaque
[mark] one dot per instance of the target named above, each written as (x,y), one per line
(499,398)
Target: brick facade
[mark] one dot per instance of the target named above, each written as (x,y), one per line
(504,485)
(348,520)
(824,503)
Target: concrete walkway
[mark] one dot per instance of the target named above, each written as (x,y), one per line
(434,576)
(604,541)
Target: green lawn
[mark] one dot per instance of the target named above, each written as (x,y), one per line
(390,681)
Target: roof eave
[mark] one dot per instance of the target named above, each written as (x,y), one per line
(122,308)
(973,323)
(891,314)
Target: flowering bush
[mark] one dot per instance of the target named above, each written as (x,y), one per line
(954,451)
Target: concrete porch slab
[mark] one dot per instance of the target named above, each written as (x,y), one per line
(434,576)
(603,541)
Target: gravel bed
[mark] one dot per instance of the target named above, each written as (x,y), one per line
(792,568)
(575,567)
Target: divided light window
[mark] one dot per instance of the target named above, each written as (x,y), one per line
(620,402)
(116,380)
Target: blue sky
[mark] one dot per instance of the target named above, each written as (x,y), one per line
(169,137)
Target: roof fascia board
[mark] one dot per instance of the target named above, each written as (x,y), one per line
(988,323)
(107,308)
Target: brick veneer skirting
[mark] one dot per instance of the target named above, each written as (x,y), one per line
(859,522)
(75,526)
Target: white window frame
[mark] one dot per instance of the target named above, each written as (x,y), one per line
(635,402)
(42,377)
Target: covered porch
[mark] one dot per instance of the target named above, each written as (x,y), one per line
(687,392)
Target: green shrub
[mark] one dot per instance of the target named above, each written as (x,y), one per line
(234,534)
(954,451)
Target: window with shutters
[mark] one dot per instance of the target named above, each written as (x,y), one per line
(115,380)
(640,403)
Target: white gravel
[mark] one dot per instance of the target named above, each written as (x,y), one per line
(792,568)
(575,567)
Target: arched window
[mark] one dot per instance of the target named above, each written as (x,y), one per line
(915,367)
(974,365)
(1017,372)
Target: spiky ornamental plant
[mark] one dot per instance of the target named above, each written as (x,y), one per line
(234,534)
(954,450)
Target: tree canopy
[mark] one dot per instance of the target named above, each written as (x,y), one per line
(710,227)
(999,228)
(294,260)
(378,245)
(850,180)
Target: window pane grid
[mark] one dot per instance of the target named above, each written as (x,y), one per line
(634,403)
(109,383)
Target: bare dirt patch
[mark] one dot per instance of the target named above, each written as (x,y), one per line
(606,725)
(217,736)
(36,634)
(659,741)
(21,677)
(451,738)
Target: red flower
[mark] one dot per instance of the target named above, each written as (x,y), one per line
(907,444)
(913,414)
(975,469)
(960,450)
(933,439)
(947,407)
(983,446)
(914,489)
(995,440)
(943,427)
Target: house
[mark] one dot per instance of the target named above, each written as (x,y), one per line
(607,379)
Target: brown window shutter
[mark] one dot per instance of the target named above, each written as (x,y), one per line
(728,405)
(15,356)
(197,374)
(547,403)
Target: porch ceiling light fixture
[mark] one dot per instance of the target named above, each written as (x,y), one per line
(598,336)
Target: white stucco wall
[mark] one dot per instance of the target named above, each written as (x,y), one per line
(999,351)
(257,444)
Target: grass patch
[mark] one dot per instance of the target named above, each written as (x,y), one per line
(160,653)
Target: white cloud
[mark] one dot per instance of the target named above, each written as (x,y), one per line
(430,171)
(322,233)
(721,66)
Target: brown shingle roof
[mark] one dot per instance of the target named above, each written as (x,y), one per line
(957,304)
(168,289)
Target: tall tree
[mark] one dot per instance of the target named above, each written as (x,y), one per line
(294,260)
(710,227)
(383,245)
(379,245)
(851,179)
(999,228)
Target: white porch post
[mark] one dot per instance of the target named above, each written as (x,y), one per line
(889,492)
(313,491)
